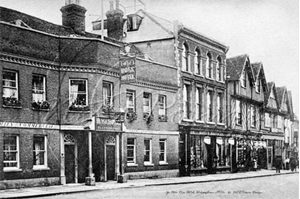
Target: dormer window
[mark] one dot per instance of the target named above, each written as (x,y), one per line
(243,79)
(133,22)
(257,85)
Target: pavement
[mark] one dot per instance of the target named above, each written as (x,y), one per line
(76,188)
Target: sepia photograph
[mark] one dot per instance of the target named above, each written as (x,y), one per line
(149,99)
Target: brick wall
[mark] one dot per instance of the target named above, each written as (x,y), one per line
(26,153)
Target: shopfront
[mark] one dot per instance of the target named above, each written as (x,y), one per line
(204,152)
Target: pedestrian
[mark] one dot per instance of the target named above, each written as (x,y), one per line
(286,164)
(278,163)
(293,163)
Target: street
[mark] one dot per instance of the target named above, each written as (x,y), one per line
(280,186)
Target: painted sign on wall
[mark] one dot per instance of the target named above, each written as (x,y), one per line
(127,70)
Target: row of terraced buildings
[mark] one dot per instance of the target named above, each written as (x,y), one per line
(149,99)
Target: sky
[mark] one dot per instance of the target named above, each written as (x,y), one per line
(266,30)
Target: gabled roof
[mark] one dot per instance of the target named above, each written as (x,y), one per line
(235,67)
(258,72)
(290,102)
(271,86)
(281,91)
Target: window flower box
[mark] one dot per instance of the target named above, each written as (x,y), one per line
(148,117)
(44,105)
(107,109)
(11,102)
(75,107)
(163,118)
(131,116)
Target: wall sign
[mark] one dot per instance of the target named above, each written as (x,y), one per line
(107,124)
(127,70)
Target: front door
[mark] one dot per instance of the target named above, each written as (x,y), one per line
(182,151)
(70,163)
(110,161)
(269,157)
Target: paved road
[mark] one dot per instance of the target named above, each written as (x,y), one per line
(281,187)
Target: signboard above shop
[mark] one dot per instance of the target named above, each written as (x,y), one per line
(107,124)
(127,70)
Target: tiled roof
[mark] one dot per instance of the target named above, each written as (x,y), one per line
(267,94)
(235,66)
(280,91)
(256,68)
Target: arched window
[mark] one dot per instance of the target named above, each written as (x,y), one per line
(208,65)
(219,70)
(197,62)
(185,58)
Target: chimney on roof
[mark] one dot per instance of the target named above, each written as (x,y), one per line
(73,16)
(115,21)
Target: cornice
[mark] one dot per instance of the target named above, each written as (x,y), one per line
(54,65)
(156,86)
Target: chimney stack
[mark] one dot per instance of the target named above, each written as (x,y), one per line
(73,16)
(115,21)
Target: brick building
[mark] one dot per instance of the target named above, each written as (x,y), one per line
(200,65)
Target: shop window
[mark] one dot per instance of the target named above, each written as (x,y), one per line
(78,99)
(220,107)
(223,151)
(148,151)
(162,151)
(197,62)
(199,154)
(209,69)
(209,106)
(10,93)
(108,94)
(186,101)
(39,152)
(199,95)
(131,151)
(241,153)
(238,112)
(11,158)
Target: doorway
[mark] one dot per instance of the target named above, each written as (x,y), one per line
(269,157)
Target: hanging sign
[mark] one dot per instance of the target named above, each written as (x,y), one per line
(207,140)
(127,70)
(231,141)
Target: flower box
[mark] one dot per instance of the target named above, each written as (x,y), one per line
(11,102)
(44,105)
(131,116)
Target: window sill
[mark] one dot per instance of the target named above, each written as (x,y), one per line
(78,111)
(221,124)
(12,170)
(132,164)
(163,163)
(148,164)
(209,78)
(220,81)
(187,72)
(199,121)
(198,75)
(15,107)
(187,120)
(210,123)
(43,110)
(41,168)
